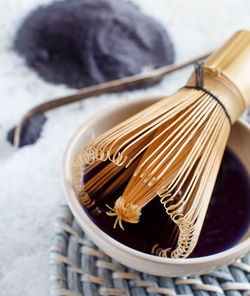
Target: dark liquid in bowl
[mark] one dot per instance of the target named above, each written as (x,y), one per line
(226,222)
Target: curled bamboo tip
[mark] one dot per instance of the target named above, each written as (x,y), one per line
(125,211)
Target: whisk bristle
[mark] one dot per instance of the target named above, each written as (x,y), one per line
(125,212)
(171,150)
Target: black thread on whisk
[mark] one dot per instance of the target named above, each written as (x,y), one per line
(199,85)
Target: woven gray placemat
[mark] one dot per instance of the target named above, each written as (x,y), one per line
(78,267)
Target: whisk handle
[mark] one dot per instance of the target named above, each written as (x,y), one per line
(232,62)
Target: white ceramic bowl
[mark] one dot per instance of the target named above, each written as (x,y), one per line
(239,142)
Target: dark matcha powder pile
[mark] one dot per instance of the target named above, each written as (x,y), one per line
(30,132)
(85,42)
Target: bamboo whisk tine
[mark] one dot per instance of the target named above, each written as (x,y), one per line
(172,150)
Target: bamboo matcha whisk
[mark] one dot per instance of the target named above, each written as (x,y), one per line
(172,150)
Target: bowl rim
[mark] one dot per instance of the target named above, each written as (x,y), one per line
(83,218)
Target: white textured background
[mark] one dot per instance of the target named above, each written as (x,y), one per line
(30,184)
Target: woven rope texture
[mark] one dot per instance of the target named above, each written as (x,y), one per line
(78,267)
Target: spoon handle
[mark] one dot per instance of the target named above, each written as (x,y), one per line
(107,87)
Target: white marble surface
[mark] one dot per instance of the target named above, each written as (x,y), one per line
(30,187)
